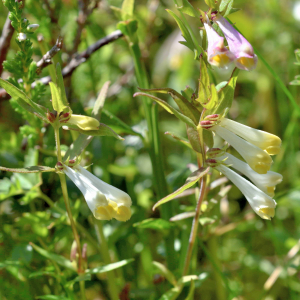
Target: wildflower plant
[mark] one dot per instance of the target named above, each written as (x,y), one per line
(144,220)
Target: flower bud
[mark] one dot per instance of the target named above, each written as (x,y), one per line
(59,166)
(64,118)
(51,117)
(215,152)
(32,27)
(212,162)
(213,117)
(22,37)
(206,124)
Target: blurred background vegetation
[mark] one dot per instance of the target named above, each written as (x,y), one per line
(235,250)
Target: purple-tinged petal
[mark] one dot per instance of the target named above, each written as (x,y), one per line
(245,58)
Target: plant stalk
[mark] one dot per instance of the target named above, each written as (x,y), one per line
(113,292)
(195,224)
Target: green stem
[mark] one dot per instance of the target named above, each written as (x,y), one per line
(113,292)
(63,183)
(194,229)
(154,147)
(82,289)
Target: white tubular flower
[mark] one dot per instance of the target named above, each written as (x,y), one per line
(261,203)
(264,140)
(218,54)
(265,182)
(105,201)
(258,160)
(21,37)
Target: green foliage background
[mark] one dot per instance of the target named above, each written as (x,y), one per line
(244,247)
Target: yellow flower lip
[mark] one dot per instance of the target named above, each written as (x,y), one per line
(267,212)
(220,60)
(246,63)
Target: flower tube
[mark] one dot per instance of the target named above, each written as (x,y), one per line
(265,182)
(105,201)
(264,140)
(218,54)
(262,204)
(258,160)
(83,122)
(245,59)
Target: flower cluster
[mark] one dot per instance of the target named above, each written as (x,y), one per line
(255,146)
(240,50)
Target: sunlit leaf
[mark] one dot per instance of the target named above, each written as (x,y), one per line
(62,261)
(33,169)
(191,180)
(188,9)
(109,267)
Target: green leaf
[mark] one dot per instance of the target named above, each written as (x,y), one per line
(14,92)
(194,138)
(190,295)
(61,86)
(213,100)
(33,169)
(96,112)
(57,258)
(128,27)
(169,109)
(84,277)
(208,138)
(118,124)
(171,294)
(226,7)
(43,273)
(165,272)
(204,91)
(78,146)
(117,11)
(184,105)
(180,139)
(226,94)
(191,180)
(156,224)
(212,3)
(185,33)
(51,297)
(57,101)
(103,130)
(188,9)
(109,267)
(127,9)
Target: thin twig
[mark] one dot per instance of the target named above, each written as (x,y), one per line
(76,61)
(46,59)
(7,33)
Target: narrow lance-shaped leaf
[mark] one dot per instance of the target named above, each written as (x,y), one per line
(165,272)
(103,130)
(57,258)
(191,180)
(57,101)
(96,112)
(60,85)
(16,93)
(204,91)
(180,139)
(185,33)
(156,224)
(109,267)
(184,105)
(169,109)
(127,9)
(190,295)
(188,9)
(33,169)
(226,94)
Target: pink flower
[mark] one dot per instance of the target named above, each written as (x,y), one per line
(245,59)
(218,54)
